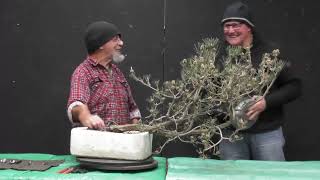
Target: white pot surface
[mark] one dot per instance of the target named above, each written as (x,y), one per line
(103,144)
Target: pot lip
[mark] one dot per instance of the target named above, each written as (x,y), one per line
(86,129)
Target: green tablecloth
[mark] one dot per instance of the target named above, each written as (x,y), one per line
(196,169)
(155,174)
(179,168)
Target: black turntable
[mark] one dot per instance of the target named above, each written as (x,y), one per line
(117,164)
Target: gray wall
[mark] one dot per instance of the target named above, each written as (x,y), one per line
(41,44)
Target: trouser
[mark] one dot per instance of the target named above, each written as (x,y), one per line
(256,146)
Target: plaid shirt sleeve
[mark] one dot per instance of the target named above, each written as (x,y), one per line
(133,108)
(79,88)
(134,111)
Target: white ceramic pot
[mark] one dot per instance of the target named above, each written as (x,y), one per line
(103,144)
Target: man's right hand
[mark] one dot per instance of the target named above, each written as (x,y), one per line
(82,114)
(94,122)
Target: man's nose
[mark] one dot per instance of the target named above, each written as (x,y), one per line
(120,42)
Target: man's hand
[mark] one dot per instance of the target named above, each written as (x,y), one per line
(94,122)
(83,115)
(255,110)
(135,121)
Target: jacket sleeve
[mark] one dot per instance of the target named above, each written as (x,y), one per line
(286,88)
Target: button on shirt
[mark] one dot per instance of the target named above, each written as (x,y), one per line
(106,92)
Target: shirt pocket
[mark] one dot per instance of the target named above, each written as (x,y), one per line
(101,91)
(95,85)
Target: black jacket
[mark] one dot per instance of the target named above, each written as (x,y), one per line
(286,88)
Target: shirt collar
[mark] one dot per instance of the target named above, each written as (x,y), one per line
(95,64)
(91,61)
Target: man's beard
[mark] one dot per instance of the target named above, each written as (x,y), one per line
(117,57)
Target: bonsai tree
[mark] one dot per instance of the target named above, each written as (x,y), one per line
(206,98)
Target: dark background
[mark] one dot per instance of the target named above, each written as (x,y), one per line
(41,44)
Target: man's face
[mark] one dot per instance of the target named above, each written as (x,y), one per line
(236,33)
(113,46)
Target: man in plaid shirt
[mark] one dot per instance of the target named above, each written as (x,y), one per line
(99,92)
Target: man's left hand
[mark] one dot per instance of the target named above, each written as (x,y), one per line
(135,121)
(255,110)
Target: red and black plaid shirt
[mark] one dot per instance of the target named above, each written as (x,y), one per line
(107,94)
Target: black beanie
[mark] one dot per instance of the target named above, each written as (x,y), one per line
(98,33)
(237,11)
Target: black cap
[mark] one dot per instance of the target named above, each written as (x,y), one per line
(237,11)
(98,33)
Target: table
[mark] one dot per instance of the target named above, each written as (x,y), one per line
(52,173)
(181,168)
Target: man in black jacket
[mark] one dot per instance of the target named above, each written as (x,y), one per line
(264,140)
